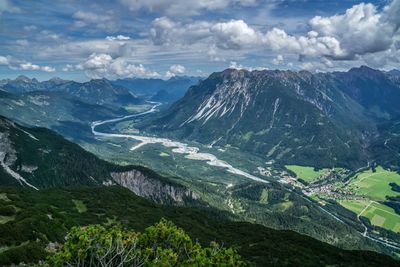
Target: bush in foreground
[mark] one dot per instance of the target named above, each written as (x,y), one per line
(163,244)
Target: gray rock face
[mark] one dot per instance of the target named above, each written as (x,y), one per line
(154,189)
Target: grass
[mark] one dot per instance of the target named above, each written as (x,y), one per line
(378,214)
(163,154)
(308,174)
(354,205)
(3,196)
(6,219)
(80,206)
(137,108)
(375,185)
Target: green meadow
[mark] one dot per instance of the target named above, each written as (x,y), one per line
(308,174)
(379,214)
(374,187)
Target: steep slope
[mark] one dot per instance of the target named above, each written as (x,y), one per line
(39,158)
(378,92)
(285,116)
(40,219)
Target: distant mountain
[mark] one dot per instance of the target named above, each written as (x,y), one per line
(157,89)
(376,91)
(394,72)
(324,119)
(57,110)
(99,91)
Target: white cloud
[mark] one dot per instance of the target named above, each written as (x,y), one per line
(48,69)
(100,21)
(4,60)
(7,6)
(49,35)
(118,38)
(234,34)
(30,28)
(22,42)
(183,7)
(237,66)
(360,31)
(16,64)
(104,66)
(68,67)
(278,60)
(30,66)
(174,70)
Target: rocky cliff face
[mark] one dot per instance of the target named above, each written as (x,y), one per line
(154,189)
(290,117)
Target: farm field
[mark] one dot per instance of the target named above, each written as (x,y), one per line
(308,174)
(371,188)
(379,214)
(374,185)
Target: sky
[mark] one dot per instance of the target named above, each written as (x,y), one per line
(83,39)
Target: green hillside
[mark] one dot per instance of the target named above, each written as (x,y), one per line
(37,218)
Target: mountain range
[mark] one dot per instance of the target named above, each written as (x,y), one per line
(321,120)
(100,91)
(46,180)
(341,119)
(157,89)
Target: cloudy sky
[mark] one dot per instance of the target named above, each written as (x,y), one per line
(83,39)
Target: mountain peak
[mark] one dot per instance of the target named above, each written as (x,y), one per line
(24,78)
(363,69)
(56,79)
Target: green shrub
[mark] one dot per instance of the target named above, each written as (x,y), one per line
(163,244)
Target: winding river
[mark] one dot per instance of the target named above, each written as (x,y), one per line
(177,147)
(195,154)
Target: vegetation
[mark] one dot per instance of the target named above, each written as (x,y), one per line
(44,217)
(374,197)
(163,244)
(305,173)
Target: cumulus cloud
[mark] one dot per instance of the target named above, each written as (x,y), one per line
(361,30)
(237,66)
(31,66)
(183,7)
(4,60)
(104,66)
(118,38)
(278,60)
(174,70)
(16,64)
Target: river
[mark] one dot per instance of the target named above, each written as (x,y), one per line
(177,147)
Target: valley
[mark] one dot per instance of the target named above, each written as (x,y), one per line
(272,188)
(224,133)
(316,191)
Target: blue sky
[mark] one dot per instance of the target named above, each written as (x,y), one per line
(85,39)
